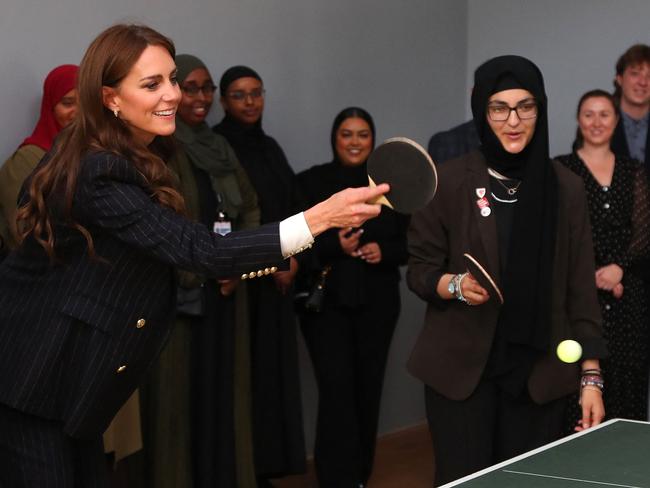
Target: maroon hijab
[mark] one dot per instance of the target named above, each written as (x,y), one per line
(59,81)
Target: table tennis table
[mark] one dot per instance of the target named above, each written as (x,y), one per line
(615,453)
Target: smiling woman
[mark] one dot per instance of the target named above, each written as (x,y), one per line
(197,395)
(86,301)
(348,339)
(494,387)
(276,408)
(146,99)
(619,212)
(58,109)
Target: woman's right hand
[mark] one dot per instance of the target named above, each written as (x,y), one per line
(347,208)
(473,292)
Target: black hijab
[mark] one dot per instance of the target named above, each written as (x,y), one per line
(261,157)
(527,281)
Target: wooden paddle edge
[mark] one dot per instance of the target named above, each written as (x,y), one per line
(486,275)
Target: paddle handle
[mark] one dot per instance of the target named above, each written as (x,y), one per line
(381,199)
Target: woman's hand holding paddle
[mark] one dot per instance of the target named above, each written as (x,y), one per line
(347,208)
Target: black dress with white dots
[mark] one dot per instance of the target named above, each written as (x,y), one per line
(620,221)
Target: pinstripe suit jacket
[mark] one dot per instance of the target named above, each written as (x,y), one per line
(77,337)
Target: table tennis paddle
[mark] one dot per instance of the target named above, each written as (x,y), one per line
(483,277)
(408,169)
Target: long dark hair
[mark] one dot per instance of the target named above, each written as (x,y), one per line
(107,62)
(597,93)
(348,113)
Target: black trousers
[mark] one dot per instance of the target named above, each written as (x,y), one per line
(35,453)
(348,349)
(489,427)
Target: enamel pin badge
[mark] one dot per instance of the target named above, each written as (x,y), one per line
(482,202)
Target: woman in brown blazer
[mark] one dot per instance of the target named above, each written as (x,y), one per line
(493,384)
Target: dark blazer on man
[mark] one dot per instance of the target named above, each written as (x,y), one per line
(619,144)
(454,142)
(77,336)
(453,348)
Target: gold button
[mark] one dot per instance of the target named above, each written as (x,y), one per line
(140,323)
(244,276)
(260,273)
(252,275)
(267,271)
(274,269)
(121,368)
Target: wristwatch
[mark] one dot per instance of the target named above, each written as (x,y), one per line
(452,287)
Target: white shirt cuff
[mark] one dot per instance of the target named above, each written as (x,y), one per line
(295,235)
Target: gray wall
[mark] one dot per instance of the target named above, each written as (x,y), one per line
(409,63)
(403,61)
(575,43)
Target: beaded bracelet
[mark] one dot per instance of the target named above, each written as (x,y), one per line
(593,380)
(597,372)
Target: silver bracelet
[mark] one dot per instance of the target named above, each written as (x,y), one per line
(459,280)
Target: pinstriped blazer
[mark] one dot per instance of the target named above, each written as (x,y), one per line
(77,337)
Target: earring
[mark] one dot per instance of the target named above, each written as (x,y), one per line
(116,112)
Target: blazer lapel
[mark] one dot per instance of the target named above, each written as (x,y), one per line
(486,225)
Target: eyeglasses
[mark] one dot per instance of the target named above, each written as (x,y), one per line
(192,90)
(500,112)
(241,95)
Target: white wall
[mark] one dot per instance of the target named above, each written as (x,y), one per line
(575,43)
(403,61)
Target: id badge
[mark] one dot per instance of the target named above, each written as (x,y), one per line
(222,228)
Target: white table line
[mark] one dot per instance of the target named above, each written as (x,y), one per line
(569,479)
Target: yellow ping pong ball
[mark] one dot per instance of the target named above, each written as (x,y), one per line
(569,351)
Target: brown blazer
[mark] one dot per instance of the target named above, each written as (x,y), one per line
(453,347)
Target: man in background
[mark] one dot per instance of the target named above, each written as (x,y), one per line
(632,85)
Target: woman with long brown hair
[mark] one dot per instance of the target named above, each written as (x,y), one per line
(86,301)
(619,213)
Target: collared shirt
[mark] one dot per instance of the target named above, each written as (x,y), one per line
(636,132)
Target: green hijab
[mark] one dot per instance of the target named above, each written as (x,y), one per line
(208,151)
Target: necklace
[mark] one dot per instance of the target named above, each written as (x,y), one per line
(502,200)
(500,179)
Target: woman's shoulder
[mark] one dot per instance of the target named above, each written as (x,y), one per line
(317,180)
(454,173)
(565,159)
(110,165)
(569,161)
(568,180)
(316,171)
(17,168)
(629,163)
(26,156)
(473,160)
(30,152)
